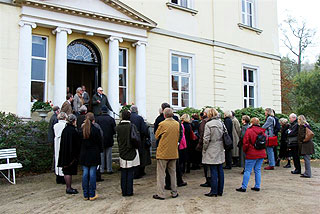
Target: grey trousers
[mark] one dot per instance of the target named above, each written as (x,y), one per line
(307,165)
(106,159)
(162,165)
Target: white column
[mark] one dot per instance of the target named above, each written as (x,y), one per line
(140,92)
(60,65)
(113,72)
(24,69)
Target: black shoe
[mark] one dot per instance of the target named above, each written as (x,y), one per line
(211,194)
(175,196)
(304,176)
(188,171)
(227,167)
(182,184)
(241,190)
(278,163)
(295,172)
(255,189)
(71,191)
(99,180)
(287,166)
(219,194)
(206,184)
(75,190)
(109,173)
(167,188)
(157,197)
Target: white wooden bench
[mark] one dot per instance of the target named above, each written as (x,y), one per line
(7,154)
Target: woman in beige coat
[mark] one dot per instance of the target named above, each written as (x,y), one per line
(213,152)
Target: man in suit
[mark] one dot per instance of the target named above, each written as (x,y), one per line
(66,106)
(98,101)
(85,96)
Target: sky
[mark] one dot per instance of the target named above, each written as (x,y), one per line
(309,10)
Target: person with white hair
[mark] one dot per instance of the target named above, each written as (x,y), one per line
(98,101)
(293,142)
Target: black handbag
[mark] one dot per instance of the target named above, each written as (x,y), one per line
(227,141)
(135,136)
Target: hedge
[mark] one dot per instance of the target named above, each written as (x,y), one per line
(30,140)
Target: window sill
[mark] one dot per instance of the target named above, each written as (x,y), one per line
(242,26)
(172,5)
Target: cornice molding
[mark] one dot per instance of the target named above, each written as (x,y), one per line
(139,21)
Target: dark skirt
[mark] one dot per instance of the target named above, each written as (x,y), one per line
(284,152)
(70,170)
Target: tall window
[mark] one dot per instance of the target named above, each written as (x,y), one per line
(123,75)
(182,3)
(38,68)
(180,81)
(248,15)
(249,87)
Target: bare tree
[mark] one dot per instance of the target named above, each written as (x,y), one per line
(298,38)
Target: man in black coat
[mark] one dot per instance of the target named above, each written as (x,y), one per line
(107,124)
(158,120)
(52,122)
(144,150)
(100,100)
(293,142)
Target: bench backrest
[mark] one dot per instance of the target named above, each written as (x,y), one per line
(8,153)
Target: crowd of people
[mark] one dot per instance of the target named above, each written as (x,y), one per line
(183,144)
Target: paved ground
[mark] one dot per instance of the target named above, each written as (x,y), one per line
(281,193)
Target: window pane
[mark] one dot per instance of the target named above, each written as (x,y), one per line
(122,77)
(249,8)
(174,1)
(175,82)
(184,84)
(251,91)
(185,99)
(245,103)
(243,18)
(38,69)
(184,3)
(37,91)
(251,102)
(185,65)
(244,75)
(245,91)
(175,99)
(243,6)
(123,57)
(122,96)
(251,79)
(174,63)
(39,46)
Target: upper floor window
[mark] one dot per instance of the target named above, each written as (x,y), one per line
(123,76)
(248,13)
(38,68)
(249,87)
(180,81)
(182,3)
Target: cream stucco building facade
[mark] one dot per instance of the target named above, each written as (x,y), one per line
(186,52)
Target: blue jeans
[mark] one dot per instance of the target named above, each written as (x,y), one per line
(89,181)
(271,156)
(217,179)
(249,165)
(106,157)
(127,181)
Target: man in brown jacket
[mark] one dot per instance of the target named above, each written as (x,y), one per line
(168,134)
(66,106)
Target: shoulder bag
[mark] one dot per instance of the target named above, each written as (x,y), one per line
(135,136)
(309,135)
(227,141)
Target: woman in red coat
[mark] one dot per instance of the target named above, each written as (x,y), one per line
(254,157)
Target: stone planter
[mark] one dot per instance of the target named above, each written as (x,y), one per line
(43,113)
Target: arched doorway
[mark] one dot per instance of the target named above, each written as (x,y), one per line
(84,66)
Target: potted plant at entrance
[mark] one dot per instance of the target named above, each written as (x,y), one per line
(42,108)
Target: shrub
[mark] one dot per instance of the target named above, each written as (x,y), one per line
(30,140)
(189,111)
(42,105)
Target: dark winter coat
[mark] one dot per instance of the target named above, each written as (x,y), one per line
(305,148)
(69,146)
(80,120)
(91,148)
(249,141)
(283,141)
(52,122)
(103,102)
(108,125)
(126,149)
(144,150)
(293,133)
(229,125)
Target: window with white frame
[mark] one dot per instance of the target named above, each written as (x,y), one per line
(248,13)
(180,80)
(249,87)
(123,76)
(182,3)
(38,68)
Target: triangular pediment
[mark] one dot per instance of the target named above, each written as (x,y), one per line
(108,10)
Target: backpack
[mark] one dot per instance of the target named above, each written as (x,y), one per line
(261,141)
(277,127)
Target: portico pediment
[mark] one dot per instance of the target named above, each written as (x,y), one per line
(112,11)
